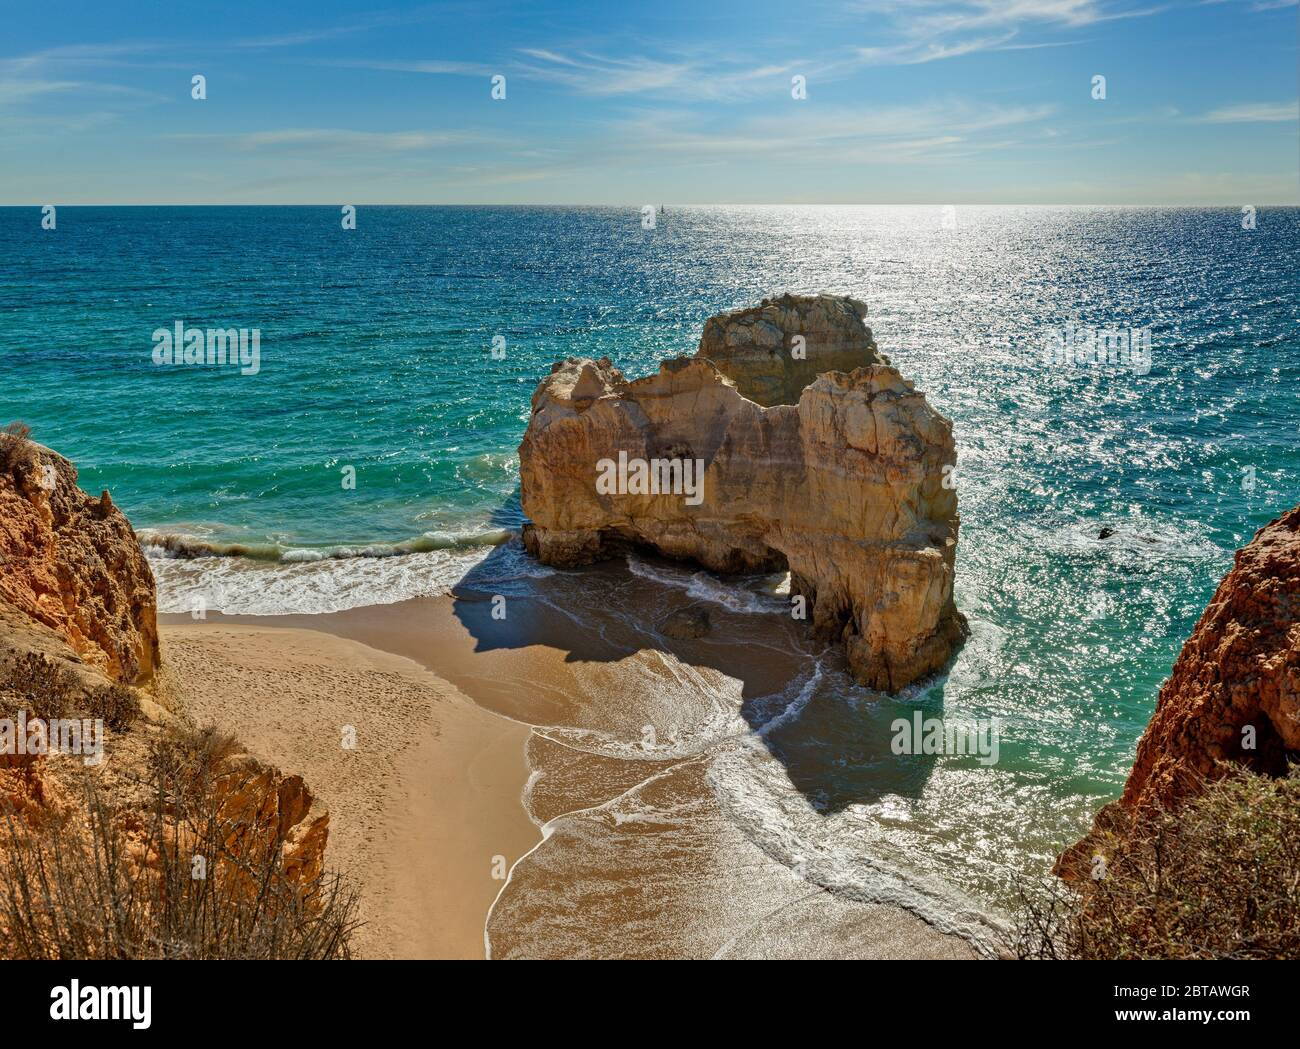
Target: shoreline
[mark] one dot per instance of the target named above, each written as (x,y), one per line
(481,744)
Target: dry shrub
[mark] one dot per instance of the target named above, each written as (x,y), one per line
(192,761)
(41,686)
(48,689)
(118,705)
(112,883)
(1220,878)
(16,449)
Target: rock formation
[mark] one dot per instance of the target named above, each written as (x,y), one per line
(1233,697)
(759,348)
(72,562)
(79,638)
(845,488)
(686,624)
(259,801)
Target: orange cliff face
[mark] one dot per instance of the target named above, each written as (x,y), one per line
(72,562)
(1233,698)
(748,459)
(77,596)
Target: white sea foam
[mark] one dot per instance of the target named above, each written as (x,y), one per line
(849,853)
(705,587)
(795,706)
(185,545)
(314,584)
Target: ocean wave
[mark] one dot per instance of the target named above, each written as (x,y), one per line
(240,585)
(705,587)
(795,706)
(184,546)
(853,854)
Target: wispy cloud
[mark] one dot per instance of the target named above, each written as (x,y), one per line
(704,78)
(306,36)
(915,52)
(300,37)
(590,74)
(925,132)
(597,75)
(339,140)
(1253,113)
(929,30)
(81,55)
(15,90)
(19,89)
(1257,5)
(433,67)
(61,71)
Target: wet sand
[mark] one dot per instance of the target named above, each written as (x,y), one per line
(640,860)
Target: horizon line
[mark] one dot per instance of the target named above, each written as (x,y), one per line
(711,204)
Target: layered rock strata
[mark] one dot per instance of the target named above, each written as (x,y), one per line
(774,350)
(72,562)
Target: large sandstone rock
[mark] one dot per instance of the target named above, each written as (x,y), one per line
(844,488)
(1236,682)
(756,347)
(71,561)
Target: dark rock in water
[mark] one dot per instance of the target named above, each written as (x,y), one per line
(1105,533)
(686,623)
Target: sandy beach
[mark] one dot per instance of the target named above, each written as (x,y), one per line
(424,809)
(435,798)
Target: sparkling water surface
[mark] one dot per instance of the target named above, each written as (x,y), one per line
(375,353)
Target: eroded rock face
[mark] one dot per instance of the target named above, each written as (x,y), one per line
(845,488)
(71,561)
(1236,681)
(758,349)
(259,803)
(77,595)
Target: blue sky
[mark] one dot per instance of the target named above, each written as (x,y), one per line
(927,101)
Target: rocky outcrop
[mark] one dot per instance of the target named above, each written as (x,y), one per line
(258,801)
(71,561)
(773,351)
(846,489)
(1233,698)
(79,638)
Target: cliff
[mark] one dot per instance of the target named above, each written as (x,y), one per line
(72,562)
(79,639)
(844,488)
(1233,698)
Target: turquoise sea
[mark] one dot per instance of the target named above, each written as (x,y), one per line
(376,354)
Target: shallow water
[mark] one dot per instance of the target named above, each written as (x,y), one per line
(748,753)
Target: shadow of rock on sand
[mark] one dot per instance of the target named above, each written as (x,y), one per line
(832,736)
